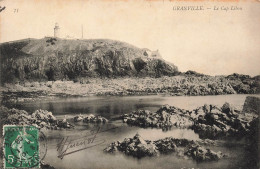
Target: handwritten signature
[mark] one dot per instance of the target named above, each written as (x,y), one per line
(2,8)
(67,145)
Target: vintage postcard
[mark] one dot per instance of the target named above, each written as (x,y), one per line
(129,84)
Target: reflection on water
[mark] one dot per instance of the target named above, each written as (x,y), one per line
(110,107)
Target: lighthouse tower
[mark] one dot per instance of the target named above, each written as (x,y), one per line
(56,30)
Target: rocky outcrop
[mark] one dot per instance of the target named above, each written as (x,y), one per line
(209,121)
(252,105)
(244,84)
(138,147)
(40,119)
(90,119)
(213,122)
(164,118)
(58,59)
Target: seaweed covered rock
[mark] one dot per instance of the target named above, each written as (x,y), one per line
(138,147)
(90,118)
(221,121)
(166,117)
(78,118)
(200,153)
(209,121)
(40,118)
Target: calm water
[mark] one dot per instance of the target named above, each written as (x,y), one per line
(110,107)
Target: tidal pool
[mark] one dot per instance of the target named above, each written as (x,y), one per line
(111,107)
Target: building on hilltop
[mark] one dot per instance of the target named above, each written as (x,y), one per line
(56,30)
(151,54)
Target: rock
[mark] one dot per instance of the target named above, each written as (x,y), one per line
(78,118)
(206,108)
(137,147)
(200,153)
(40,119)
(94,119)
(226,108)
(252,105)
(164,118)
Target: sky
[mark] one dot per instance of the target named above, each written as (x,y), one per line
(213,42)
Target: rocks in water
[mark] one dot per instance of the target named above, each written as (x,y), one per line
(138,147)
(78,118)
(220,122)
(165,117)
(90,119)
(40,119)
(209,121)
(200,153)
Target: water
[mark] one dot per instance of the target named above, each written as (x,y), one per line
(111,107)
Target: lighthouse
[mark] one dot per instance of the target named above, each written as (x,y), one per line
(56,31)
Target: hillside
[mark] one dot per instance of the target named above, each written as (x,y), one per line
(66,59)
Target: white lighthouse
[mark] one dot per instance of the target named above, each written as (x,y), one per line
(56,30)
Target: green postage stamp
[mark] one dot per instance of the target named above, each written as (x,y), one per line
(21,147)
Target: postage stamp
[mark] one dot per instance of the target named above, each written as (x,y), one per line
(21,147)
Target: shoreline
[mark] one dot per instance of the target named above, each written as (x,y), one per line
(170,86)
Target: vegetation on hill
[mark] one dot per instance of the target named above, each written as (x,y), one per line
(59,59)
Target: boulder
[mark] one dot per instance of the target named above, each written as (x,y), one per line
(252,105)
(137,147)
(78,118)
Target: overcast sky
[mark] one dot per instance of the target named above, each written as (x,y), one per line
(210,42)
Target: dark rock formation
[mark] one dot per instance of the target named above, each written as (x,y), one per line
(138,147)
(90,119)
(40,119)
(244,84)
(165,117)
(221,121)
(209,121)
(57,59)
(252,105)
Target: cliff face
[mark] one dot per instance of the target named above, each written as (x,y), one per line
(58,59)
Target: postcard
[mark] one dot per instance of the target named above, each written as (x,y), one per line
(129,84)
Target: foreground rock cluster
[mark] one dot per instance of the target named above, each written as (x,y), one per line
(215,122)
(40,119)
(138,147)
(209,121)
(90,119)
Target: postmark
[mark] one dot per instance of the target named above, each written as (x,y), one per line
(21,146)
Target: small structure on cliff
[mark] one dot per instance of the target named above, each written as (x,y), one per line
(151,54)
(56,30)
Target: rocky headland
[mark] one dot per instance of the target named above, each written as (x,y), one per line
(49,67)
